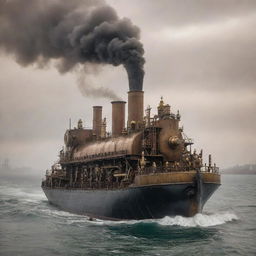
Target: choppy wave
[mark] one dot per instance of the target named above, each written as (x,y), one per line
(18,193)
(30,224)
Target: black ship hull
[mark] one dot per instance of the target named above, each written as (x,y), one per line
(143,202)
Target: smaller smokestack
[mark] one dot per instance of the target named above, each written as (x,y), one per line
(97,121)
(135,107)
(118,117)
(104,128)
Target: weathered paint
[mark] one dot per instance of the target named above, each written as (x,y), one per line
(174,177)
(211,177)
(145,202)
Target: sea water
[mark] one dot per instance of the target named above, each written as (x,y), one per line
(30,226)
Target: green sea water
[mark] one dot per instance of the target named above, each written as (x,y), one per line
(29,226)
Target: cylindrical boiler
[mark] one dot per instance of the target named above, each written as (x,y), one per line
(135,107)
(97,120)
(118,117)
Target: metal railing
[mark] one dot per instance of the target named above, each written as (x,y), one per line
(88,185)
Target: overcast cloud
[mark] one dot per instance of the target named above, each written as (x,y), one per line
(200,55)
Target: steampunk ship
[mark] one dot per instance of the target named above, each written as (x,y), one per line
(143,170)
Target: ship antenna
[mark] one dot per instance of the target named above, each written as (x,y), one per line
(69,123)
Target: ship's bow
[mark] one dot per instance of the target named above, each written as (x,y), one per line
(176,193)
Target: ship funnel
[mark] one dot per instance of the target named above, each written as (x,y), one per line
(118,117)
(135,108)
(97,121)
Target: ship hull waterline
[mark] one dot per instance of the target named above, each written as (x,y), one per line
(133,203)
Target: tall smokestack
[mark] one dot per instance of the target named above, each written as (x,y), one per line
(135,107)
(97,120)
(118,117)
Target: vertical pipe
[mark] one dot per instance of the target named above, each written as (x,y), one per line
(97,120)
(210,160)
(135,107)
(118,117)
(210,163)
(104,128)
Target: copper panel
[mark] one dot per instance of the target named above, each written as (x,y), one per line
(211,177)
(127,145)
(170,129)
(165,178)
(174,178)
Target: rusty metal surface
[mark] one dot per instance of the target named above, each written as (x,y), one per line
(130,144)
(118,117)
(76,137)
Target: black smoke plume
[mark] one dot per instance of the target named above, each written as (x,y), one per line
(73,32)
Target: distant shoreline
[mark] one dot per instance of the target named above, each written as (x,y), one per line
(240,169)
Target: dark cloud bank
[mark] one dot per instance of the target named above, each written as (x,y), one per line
(72,32)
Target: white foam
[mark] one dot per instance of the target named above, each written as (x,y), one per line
(59,213)
(199,220)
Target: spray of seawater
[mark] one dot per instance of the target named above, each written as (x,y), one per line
(199,220)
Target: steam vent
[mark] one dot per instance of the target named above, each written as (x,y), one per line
(145,168)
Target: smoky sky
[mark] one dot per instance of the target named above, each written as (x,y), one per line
(201,58)
(72,32)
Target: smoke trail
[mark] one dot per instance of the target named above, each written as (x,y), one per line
(71,32)
(87,87)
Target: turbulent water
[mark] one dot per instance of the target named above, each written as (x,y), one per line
(227,226)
